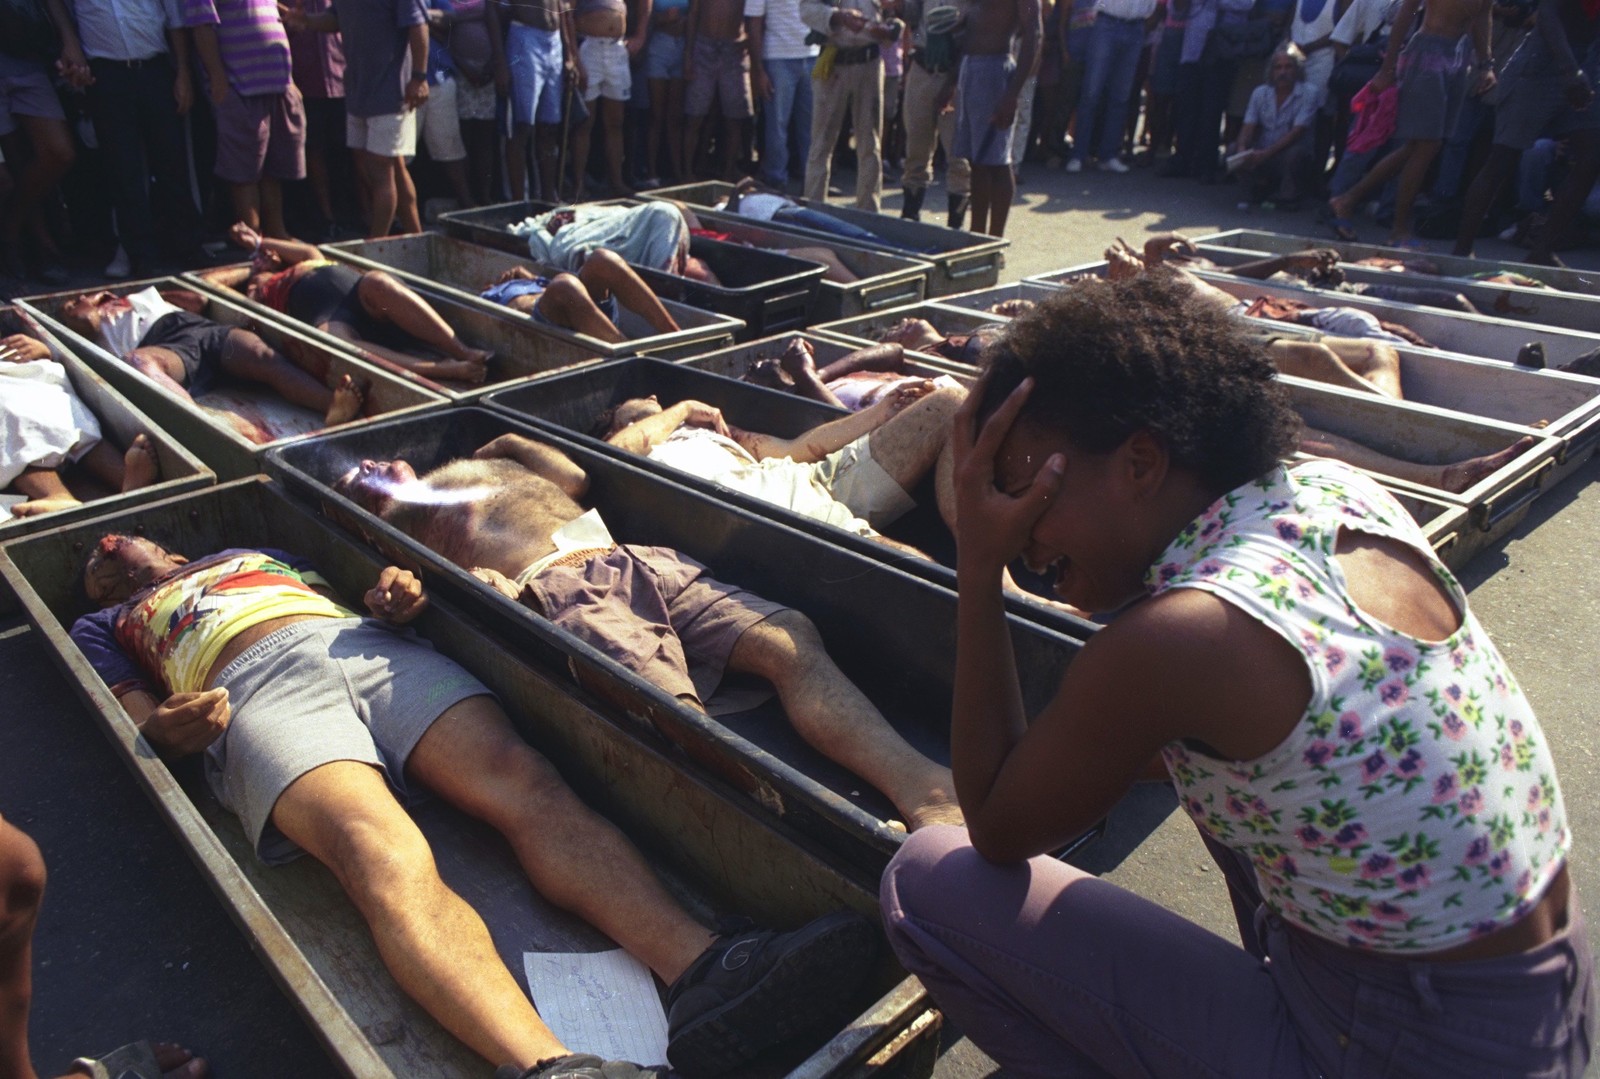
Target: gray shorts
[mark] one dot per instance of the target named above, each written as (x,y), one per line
(1433,84)
(654,611)
(1531,102)
(979,88)
(28,93)
(318,691)
(722,71)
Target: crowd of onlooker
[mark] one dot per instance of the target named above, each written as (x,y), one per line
(136,128)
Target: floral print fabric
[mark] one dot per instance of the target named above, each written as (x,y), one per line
(1415,805)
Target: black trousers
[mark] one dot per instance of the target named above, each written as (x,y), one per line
(146,162)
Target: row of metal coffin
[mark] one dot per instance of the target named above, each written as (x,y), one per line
(718,850)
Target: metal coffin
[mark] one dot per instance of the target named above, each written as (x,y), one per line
(570,403)
(734,362)
(866,329)
(520,350)
(120,421)
(217,442)
(885,278)
(435,263)
(961,260)
(767,291)
(717,854)
(891,633)
(1446,331)
(1428,436)
(984,300)
(1549,307)
(1567,280)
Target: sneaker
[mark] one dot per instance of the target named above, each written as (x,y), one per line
(1075,165)
(754,989)
(580,1066)
(1113,164)
(120,265)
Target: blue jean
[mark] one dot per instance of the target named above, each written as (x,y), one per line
(1113,60)
(818,221)
(789,109)
(1055,973)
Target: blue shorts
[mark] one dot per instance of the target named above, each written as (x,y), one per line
(663,57)
(979,88)
(506,291)
(535,59)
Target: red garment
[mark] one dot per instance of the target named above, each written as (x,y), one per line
(1376,114)
(710,234)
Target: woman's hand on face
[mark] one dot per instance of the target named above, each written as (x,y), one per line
(994,526)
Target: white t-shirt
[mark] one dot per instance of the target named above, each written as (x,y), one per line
(126,323)
(43,424)
(785,35)
(762,207)
(780,481)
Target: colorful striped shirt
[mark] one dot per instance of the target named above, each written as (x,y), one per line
(255,48)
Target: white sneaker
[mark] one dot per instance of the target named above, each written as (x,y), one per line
(1075,165)
(1113,164)
(119,266)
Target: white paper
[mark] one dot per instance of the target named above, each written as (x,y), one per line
(603,1003)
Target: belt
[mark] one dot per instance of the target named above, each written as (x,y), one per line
(858,54)
(133,65)
(921,60)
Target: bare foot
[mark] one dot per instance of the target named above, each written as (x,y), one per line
(473,371)
(140,467)
(765,371)
(175,1062)
(347,400)
(1463,474)
(37,507)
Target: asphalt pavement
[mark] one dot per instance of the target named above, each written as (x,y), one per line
(132,944)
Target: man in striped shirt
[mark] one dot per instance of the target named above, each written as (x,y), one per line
(244,53)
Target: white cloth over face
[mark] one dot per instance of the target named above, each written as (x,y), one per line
(42,422)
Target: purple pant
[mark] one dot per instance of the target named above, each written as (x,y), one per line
(1055,973)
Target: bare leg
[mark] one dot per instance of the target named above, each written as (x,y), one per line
(246,204)
(911,443)
(161,366)
(377,174)
(22,880)
(566,302)
(386,298)
(246,356)
(837,271)
(611,113)
(836,719)
(272,223)
(604,272)
(548,145)
(1498,166)
(1411,177)
(1369,366)
(1456,476)
(1002,188)
(405,198)
(580,152)
(455,172)
(1376,177)
(434,944)
(517,161)
(574,857)
(982,195)
(691,144)
(46,491)
(406,362)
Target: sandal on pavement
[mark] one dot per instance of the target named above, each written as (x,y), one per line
(136,1060)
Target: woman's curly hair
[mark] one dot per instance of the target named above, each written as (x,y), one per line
(1111,358)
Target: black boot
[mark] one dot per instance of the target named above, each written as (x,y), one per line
(911,202)
(958,212)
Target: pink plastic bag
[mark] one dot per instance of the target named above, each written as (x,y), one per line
(1376,114)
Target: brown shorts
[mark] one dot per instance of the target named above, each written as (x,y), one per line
(653,610)
(258,136)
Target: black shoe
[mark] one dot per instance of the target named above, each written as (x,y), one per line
(755,989)
(911,203)
(580,1066)
(957,216)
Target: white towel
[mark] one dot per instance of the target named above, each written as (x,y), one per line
(42,422)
